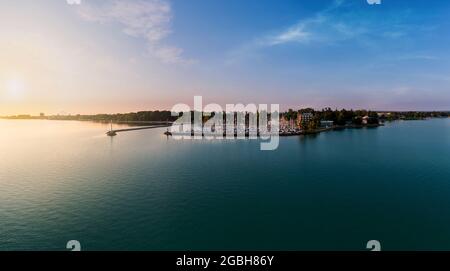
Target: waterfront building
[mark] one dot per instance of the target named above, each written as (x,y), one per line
(307,117)
(284,123)
(384,114)
(299,120)
(304,118)
(326,123)
(365,120)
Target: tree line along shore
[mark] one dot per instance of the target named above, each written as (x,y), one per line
(338,116)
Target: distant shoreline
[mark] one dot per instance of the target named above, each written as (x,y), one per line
(165,115)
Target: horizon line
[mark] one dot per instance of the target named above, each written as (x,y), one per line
(167,110)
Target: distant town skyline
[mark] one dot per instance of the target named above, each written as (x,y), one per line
(116,56)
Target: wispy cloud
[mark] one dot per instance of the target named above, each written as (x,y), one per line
(298,33)
(149,20)
(339,22)
(73,2)
(419,57)
(307,30)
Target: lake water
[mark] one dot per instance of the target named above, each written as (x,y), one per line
(63,180)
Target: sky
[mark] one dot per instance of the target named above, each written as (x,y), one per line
(111,56)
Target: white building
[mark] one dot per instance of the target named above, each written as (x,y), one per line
(304,118)
(365,120)
(326,123)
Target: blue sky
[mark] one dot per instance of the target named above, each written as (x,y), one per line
(119,56)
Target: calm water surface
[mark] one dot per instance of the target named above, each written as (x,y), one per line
(62,180)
